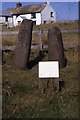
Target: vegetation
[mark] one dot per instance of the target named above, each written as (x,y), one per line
(21,95)
(22,98)
(9,40)
(63,25)
(70,38)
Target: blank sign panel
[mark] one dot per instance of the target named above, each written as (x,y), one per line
(49,69)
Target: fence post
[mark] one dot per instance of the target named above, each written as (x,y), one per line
(40,40)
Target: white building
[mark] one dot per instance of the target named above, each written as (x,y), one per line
(38,13)
(5,17)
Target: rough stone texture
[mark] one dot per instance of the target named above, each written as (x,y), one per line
(55,47)
(23,46)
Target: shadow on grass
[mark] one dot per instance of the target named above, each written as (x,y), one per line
(34,62)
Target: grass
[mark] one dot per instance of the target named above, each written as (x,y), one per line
(68,38)
(9,40)
(72,25)
(71,38)
(63,25)
(21,95)
(22,98)
(4,28)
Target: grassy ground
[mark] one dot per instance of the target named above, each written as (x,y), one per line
(4,28)
(9,40)
(62,25)
(21,95)
(68,38)
(22,98)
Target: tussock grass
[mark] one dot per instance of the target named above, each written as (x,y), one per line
(62,25)
(9,40)
(68,38)
(22,98)
(21,95)
(5,28)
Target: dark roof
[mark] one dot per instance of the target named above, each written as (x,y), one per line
(6,13)
(34,8)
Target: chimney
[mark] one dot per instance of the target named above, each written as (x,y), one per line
(18,4)
(48,2)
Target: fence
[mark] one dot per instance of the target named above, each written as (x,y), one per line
(39,46)
(40,43)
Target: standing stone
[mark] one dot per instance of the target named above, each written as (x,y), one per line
(55,47)
(23,46)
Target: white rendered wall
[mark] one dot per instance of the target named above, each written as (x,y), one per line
(2,20)
(14,20)
(38,18)
(10,20)
(46,14)
(20,18)
(27,16)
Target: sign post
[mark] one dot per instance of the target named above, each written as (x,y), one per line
(48,69)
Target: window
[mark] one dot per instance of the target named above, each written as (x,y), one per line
(34,22)
(52,21)
(51,14)
(45,22)
(33,15)
(6,19)
(19,22)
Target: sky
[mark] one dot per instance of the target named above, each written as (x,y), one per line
(65,10)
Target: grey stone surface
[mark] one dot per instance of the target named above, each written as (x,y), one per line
(55,47)
(23,46)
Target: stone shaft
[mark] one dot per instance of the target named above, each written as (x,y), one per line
(23,46)
(55,47)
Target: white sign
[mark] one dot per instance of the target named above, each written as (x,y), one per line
(49,69)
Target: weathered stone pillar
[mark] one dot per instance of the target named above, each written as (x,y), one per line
(56,51)
(23,46)
(55,47)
